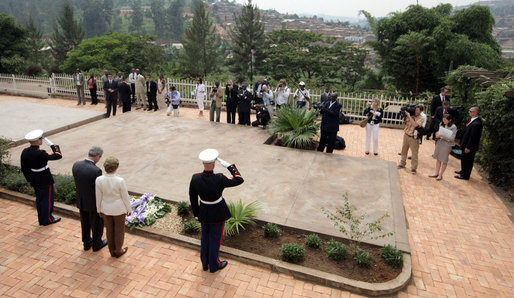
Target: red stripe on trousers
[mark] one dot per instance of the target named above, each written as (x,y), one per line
(49,201)
(221,238)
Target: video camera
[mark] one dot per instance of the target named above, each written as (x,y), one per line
(262,113)
(317,105)
(411,109)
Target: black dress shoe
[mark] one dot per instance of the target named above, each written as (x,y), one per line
(205,268)
(87,246)
(461,177)
(458,172)
(223,264)
(102,245)
(56,220)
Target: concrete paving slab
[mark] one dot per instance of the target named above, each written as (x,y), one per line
(291,185)
(17,118)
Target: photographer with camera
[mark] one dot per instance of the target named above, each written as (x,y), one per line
(244,100)
(267,99)
(172,100)
(283,93)
(412,120)
(302,96)
(231,94)
(216,101)
(329,123)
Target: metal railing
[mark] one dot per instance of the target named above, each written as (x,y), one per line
(353,104)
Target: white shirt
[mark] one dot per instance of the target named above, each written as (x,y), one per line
(301,94)
(112,197)
(424,118)
(132,78)
(200,91)
(472,119)
(282,95)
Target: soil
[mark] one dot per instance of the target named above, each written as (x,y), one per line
(317,259)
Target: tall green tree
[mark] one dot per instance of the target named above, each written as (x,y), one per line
(246,34)
(93,20)
(175,20)
(34,41)
(136,24)
(13,47)
(159,17)
(67,34)
(202,46)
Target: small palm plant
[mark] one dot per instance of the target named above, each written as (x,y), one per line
(242,215)
(294,127)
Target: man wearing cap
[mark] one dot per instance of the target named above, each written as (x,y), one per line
(302,96)
(35,169)
(212,211)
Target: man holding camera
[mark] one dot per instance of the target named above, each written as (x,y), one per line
(410,140)
(267,99)
(231,93)
(244,100)
(329,123)
(302,96)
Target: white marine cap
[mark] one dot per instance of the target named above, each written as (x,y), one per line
(302,83)
(34,135)
(208,155)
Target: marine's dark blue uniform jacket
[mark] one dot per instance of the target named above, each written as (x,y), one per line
(37,159)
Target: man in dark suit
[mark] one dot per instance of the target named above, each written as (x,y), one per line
(325,96)
(244,102)
(437,101)
(231,93)
(329,123)
(443,110)
(151,94)
(125,93)
(469,143)
(111,95)
(85,173)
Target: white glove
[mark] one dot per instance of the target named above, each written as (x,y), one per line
(48,142)
(223,163)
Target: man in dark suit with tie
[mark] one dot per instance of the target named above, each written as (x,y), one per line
(125,93)
(85,173)
(446,109)
(329,123)
(469,143)
(111,95)
(325,96)
(437,101)
(151,94)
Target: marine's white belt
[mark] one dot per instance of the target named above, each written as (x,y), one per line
(211,203)
(40,170)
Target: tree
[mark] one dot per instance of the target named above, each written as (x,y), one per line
(67,34)
(34,41)
(159,17)
(136,26)
(13,47)
(247,32)
(175,20)
(202,47)
(92,18)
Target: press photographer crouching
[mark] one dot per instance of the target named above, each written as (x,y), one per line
(261,110)
(411,139)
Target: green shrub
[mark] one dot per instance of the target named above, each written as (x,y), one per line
(4,153)
(65,190)
(392,256)
(362,258)
(271,230)
(183,208)
(296,128)
(242,215)
(14,180)
(192,227)
(292,252)
(313,241)
(336,250)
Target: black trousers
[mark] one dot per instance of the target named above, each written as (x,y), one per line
(45,204)
(94,96)
(328,139)
(466,163)
(92,226)
(152,102)
(244,118)
(111,100)
(231,115)
(432,129)
(211,242)
(127,106)
(133,88)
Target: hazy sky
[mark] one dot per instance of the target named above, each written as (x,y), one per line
(347,8)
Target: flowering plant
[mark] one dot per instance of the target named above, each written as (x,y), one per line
(146,210)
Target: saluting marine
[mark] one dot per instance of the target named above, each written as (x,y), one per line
(212,211)
(34,165)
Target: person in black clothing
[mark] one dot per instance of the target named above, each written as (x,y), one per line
(443,110)
(151,94)
(91,82)
(437,101)
(85,173)
(244,100)
(34,166)
(469,143)
(329,123)
(111,95)
(212,210)
(125,93)
(231,93)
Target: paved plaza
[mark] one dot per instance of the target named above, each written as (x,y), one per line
(459,232)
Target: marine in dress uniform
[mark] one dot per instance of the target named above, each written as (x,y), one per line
(34,165)
(211,210)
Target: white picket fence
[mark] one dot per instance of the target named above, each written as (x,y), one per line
(353,104)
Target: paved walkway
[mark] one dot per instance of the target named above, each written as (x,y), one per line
(460,235)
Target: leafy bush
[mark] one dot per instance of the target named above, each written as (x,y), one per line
(336,250)
(292,252)
(352,225)
(295,127)
(183,208)
(313,241)
(362,258)
(242,215)
(14,180)
(192,227)
(4,153)
(392,256)
(271,230)
(65,191)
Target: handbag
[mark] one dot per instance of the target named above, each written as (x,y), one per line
(364,121)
